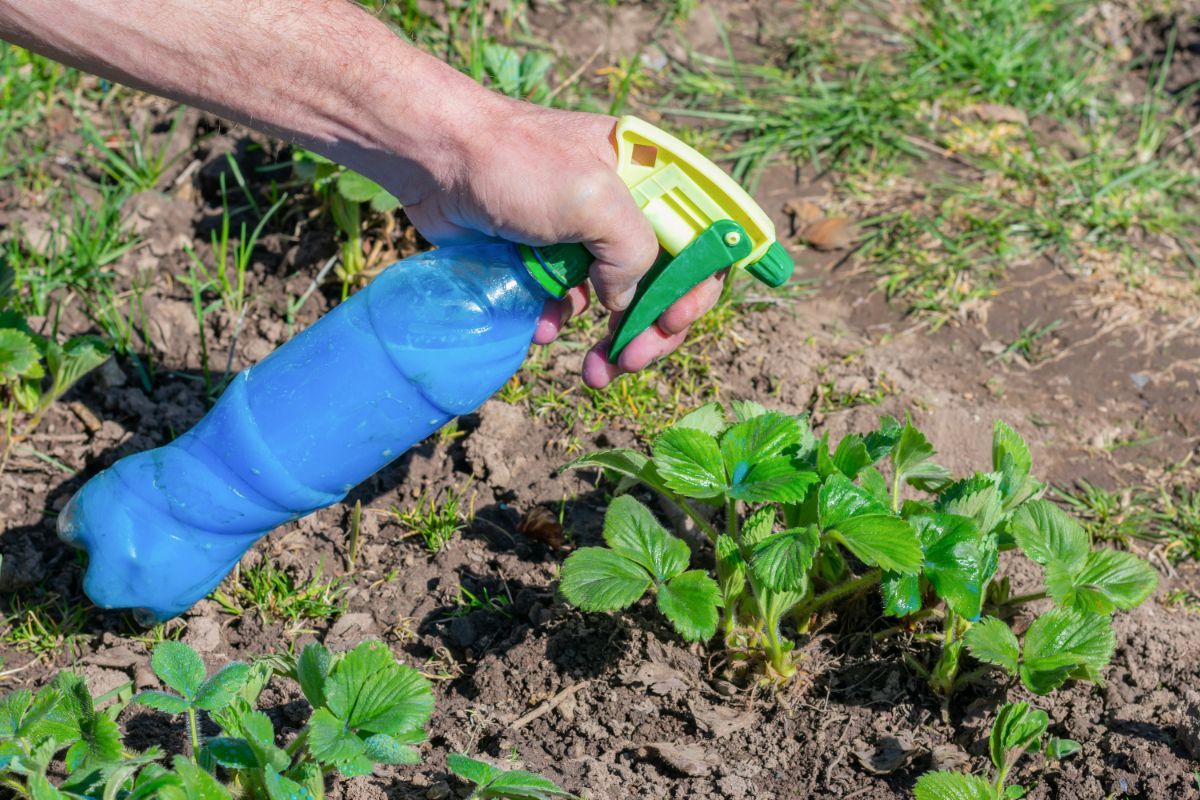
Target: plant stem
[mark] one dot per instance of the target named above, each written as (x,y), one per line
(1022,599)
(837,592)
(911,618)
(193,729)
(296,744)
(686,508)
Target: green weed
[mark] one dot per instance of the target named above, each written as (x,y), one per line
(46,626)
(437,523)
(279,597)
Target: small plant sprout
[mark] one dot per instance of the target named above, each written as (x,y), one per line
(178,666)
(436,523)
(26,359)
(345,192)
(806,525)
(493,783)
(1018,730)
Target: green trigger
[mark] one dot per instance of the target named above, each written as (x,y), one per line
(719,247)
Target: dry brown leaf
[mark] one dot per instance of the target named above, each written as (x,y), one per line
(803,212)
(690,759)
(720,721)
(995,112)
(889,753)
(831,233)
(542,526)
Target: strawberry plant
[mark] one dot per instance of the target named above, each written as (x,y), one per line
(493,783)
(368,710)
(27,359)
(805,525)
(344,192)
(1018,729)
(62,722)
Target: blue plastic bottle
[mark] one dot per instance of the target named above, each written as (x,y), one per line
(430,338)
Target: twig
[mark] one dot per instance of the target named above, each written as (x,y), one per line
(548,705)
(574,76)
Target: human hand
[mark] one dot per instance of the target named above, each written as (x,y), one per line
(540,176)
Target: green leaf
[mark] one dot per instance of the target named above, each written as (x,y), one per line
(881,442)
(1017,727)
(757,439)
(633,532)
(901,594)
(775,480)
(18,355)
(977,497)
(232,753)
(218,691)
(1109,580)
(503,64)
(260,736)
(597,579)
(384,749)
(1008,444)
(534,66)
(748,409)
(954,562)
(162,701)
(357,188)
(79,356)
(281,788)
(709,418)
(521,785)
(493,782)
(1014,791)
(951,786)
(196,784)
(473,770)
(74,717)
(839,500)
(1046,533)
(178,666)
(41,789)
(874,484)
(758,526)
(370,691)
(690,601)
(312,669)
(384,201)
(329,742)
(1060,642)
(628,463)
(991,641)
(782,561)
(851,455)
(911,464)
(882,540)
(689,462)
(1058,749)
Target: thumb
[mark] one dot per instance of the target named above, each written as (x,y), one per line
(623,242)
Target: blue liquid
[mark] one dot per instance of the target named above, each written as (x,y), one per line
(430,339)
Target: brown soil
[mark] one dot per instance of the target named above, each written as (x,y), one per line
(642,714)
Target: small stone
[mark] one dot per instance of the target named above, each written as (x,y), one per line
(101,680)
(439,791)
(144,678)
(203,635)
(461,632)
(350,629)
(109,375)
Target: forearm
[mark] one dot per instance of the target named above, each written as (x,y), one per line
(323,73)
